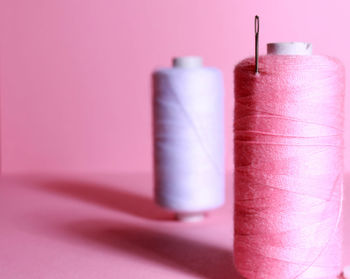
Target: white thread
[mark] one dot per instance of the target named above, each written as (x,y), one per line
(189,139)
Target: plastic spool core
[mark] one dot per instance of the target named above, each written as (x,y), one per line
(190,217)
(188,62)
(291,48)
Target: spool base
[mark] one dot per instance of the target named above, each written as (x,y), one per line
(190,217)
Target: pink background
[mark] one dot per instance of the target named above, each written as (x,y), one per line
(75,98)
(75,75)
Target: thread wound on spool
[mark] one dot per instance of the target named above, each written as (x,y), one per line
(189,139)
(288,167)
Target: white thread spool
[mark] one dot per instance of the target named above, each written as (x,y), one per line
(188,62)
(186,193)
(289,48)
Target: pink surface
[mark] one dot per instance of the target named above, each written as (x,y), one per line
(75,75)
(108,227)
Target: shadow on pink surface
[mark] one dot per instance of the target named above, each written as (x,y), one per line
(150,242)
(163,248)
(109,197)
(163,244)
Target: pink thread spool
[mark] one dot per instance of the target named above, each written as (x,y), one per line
(288,164)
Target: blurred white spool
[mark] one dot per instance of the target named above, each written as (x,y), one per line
(189,138)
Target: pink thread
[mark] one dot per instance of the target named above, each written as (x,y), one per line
(289,167)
